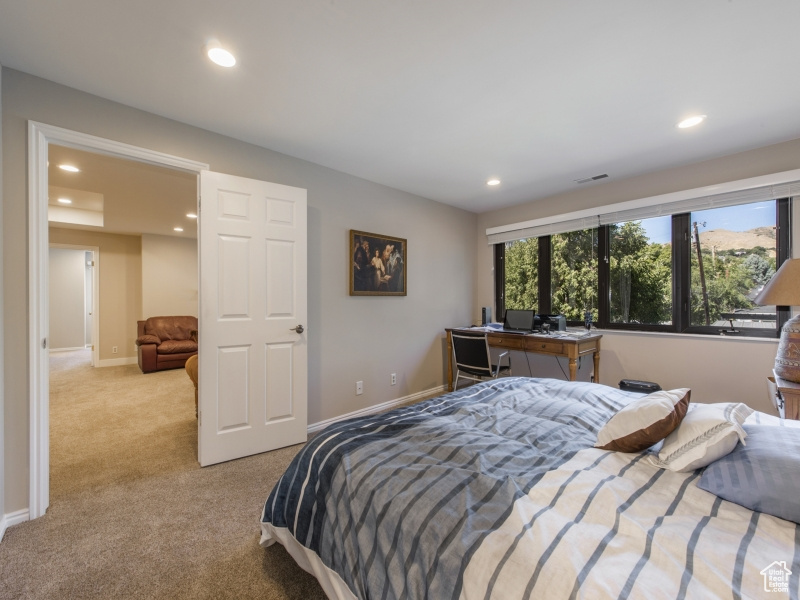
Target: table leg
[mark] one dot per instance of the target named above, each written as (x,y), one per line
(573,369)
(597,366)
(449,362)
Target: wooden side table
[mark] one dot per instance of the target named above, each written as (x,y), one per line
(788,397)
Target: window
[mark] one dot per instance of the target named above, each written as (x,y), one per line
(522,275)
(640,271)
(733,255)
(692,272)
(574,274)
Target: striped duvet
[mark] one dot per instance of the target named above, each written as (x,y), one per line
(495,491)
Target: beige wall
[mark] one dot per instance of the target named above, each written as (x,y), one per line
(67,293)
(717,369)
(350,338)
(727,368)
(169,276)
(120,301)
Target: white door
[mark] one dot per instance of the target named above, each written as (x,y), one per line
(253,350)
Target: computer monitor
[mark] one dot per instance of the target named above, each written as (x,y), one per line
(519,320)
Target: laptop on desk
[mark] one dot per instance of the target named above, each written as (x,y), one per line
(519,321)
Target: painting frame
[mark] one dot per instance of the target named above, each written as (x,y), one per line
(378,264)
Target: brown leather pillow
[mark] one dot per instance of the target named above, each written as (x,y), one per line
(645,421)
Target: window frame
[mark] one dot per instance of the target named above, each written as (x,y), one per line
(681,279)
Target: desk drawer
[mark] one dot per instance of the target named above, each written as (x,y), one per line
(506,341)
(547,346)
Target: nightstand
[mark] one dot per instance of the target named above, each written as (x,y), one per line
(788,398)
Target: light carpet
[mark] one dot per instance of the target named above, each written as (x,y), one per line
(132,514)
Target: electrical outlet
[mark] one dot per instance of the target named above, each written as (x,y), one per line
(394,378)
(114,349)
(359,388)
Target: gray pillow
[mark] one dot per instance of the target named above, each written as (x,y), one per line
(762,475)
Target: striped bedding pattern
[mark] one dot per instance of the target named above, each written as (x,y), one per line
(495,491)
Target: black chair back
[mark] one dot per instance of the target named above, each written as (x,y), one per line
(472,353)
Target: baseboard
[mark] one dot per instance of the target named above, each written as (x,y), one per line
(12,519)
(67,349)
(118,362)
(314,427)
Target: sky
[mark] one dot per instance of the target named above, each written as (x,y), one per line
(732,218)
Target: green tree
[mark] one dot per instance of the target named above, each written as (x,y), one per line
(574,273)
(522,274)
(640,276)
(761,269)
(729,281)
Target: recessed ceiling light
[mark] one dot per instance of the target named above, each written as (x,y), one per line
(65,201)
(191,215)
(219,55)
(178,229)
(691,121)
(493,182)
(69,168)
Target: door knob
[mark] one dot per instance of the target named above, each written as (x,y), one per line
(298,329)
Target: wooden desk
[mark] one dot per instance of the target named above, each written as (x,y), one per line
(567,347)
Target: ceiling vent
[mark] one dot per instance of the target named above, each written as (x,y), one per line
(595,178)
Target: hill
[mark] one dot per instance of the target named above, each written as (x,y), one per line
(723,239)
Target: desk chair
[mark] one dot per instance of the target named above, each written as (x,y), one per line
(472,357)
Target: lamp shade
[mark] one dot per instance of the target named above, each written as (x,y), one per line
(784,290)
(784,287)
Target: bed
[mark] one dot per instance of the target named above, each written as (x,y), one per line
(496,491)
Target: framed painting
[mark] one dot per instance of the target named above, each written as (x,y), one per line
(377,264)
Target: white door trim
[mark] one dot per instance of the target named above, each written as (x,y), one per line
(95,295)
(40,135)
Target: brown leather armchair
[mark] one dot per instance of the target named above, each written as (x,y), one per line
(166,342)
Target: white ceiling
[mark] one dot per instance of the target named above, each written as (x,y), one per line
(134,197)
(434,97)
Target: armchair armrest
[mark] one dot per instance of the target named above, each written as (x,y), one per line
(148,357)
(147,339)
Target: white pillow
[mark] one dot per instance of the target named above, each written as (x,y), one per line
(708,432)
(645,421)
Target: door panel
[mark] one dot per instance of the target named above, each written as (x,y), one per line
(278,400)
(280,266)
(252,363)
(232,387)
(234,277)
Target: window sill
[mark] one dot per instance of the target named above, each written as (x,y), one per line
(681,336)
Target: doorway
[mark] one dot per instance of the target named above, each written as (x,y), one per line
(252,228)
(74,292)
(41,136)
